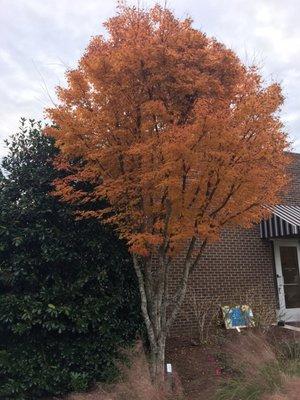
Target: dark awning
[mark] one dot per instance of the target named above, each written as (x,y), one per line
(285,221)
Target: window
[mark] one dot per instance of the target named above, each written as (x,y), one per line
(291,276)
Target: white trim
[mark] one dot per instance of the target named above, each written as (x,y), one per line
(286,314)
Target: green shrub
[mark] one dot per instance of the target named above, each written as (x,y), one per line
(68,293)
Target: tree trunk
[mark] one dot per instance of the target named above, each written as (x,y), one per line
(154,309)
(157,366)
(155,301)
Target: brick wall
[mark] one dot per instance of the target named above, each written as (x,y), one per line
(237,264)
(292,196)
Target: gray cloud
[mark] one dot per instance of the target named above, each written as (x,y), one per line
(40,39)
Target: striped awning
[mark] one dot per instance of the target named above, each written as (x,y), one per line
(285,221)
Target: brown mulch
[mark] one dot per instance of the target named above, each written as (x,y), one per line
(197,367)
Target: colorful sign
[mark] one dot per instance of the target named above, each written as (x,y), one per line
(238,317)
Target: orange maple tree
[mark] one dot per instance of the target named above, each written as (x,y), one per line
(178,136)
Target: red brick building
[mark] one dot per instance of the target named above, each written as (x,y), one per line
(261,264)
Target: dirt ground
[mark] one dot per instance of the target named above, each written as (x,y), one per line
(198,370)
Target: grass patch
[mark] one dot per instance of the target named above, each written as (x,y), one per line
(259,368)
(134,382)
(267,379)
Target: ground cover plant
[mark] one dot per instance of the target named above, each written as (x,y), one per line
(134,382)
(266,367)
(261,369)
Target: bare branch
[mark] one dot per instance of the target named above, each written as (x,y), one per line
(182,287)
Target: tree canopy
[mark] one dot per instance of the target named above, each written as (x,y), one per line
(174,131)
(178,135)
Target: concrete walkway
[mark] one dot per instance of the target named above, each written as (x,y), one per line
(292,328)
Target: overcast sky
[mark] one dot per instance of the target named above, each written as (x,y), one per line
(40,39)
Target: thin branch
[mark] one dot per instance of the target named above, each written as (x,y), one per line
(233,189)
